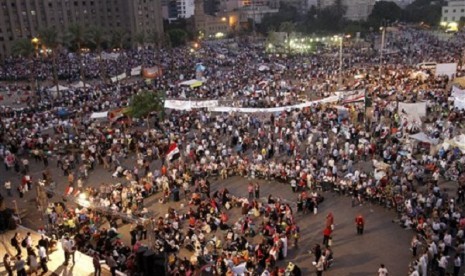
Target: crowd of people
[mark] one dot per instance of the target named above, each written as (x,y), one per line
(313,149)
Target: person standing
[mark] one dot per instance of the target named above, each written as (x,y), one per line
(326,236)
(20,266)
(7,264)
(320,266)
(250,189)
(111,263)
(382,271)
(257,190)
(43,258)
(15,241)
(46,244)
(360,224)
(414,244)
(442,265)
(457,264)
(330,221)
(97,265)
(32,261)
(28,240)
(66,249)
(8,188)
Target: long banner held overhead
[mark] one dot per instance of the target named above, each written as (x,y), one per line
(188,105)
(212,106)
(351,96)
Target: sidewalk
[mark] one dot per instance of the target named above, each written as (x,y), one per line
(83,266)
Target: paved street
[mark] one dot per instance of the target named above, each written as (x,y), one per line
(383,241)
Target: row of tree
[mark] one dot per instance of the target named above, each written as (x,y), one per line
(331,18)
(75,38)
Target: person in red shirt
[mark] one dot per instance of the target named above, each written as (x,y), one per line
(326,235)
(360,224)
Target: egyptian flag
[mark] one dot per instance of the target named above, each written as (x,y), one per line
(173,152)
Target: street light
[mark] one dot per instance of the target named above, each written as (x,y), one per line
(383,34)
(341,40)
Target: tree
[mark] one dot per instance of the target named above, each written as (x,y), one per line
(140,39)
(427,11)
(288,28)
(118,38)
(154,37)
(286,13)
(144,103)
(49,39)
(76,38)
(384,10)
(178,37)
(97,38)
(24,48)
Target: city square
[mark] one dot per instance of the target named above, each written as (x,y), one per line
(248,138)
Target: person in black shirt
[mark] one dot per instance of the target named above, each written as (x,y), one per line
(46,244)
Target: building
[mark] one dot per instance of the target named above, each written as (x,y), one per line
(255,13)
(24,18)
(453,11)
(401,3)
(185,8)
(210,26)
(356,10)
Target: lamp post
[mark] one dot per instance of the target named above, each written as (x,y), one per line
(341,45)
(383,34)
(35,41)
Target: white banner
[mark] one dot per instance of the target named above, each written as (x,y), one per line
(272,109)
(136,71)
(351,95)
(412,112)
(119,77)
(112,56)
(188,105)
(99,115)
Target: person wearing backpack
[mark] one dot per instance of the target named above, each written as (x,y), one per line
(15,243)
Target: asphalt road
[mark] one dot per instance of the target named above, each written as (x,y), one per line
(383,241)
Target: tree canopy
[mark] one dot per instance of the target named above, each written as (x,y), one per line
(144,103)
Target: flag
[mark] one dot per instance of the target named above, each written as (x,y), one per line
(173,152)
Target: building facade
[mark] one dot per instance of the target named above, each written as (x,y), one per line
(355,9)
(24,18)
(453,11)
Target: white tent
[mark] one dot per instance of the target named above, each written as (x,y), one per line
(263,68)
(422,137)
(60,88)
(78,84)
(457,141)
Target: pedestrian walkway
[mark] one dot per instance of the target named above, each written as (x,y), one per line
(83,266)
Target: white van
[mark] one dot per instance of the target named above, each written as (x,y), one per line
(427,65)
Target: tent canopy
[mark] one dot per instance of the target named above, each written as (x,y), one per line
(78,84)
(192,83)
(422,137)
(99,115)
(60,88)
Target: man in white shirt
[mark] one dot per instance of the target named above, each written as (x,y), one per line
(442,264)
(457,264)
(8,187)
(43,259)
